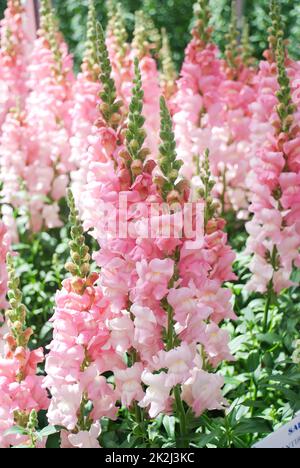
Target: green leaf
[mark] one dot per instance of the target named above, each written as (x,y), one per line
(269,338)
(206,439)
(47,328)
(253,361)
(169,423)
(253,426)
(236,343)
(16,430)
(48,431)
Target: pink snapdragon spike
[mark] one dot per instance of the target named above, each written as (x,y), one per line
(20,174)
(274,234)
(48,113)
(212,109)
(168,75)
(80,351)
(145,276)
(21,391)
(79,355)
(86,91)
(119,52)
(83,439)
(237,93)
(266,84)
(196,105)
(14,55)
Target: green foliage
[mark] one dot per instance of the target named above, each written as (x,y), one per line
(2,7)
(40,266)
(257,14)
(176,16)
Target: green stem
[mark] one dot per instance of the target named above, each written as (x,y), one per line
(270,291)
(182,419)
(170,330)
(267,308)
(138,414)
(138,411)
(255,393)
(140,420)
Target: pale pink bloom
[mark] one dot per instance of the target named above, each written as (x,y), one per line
(152,93)
(100,392)
(202,391)
(122,69)
(262,273)
(48,119)
(153,279)
(21,389)
(178,361)
(128,384)
(157,393)
(138,271)
(282,280)
(50,214)
(122,330)
(84,115)
(147,332)
(64,440)
(6,418)
(216,344)
(289,247)
(14,56)
(274,184)
(186,302)
(212,111)
(64,406)
(78,352)
(10,221)
(86,439)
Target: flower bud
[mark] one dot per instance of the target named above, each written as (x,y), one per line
(125,156)
(134,145)
(173,197)
(115,119)
(137,167)
(78,285)
(76,257)
(85,269)
(159,181)
(104,108)
(72,268)
(144,153)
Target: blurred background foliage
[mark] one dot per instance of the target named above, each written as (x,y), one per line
(176,16)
